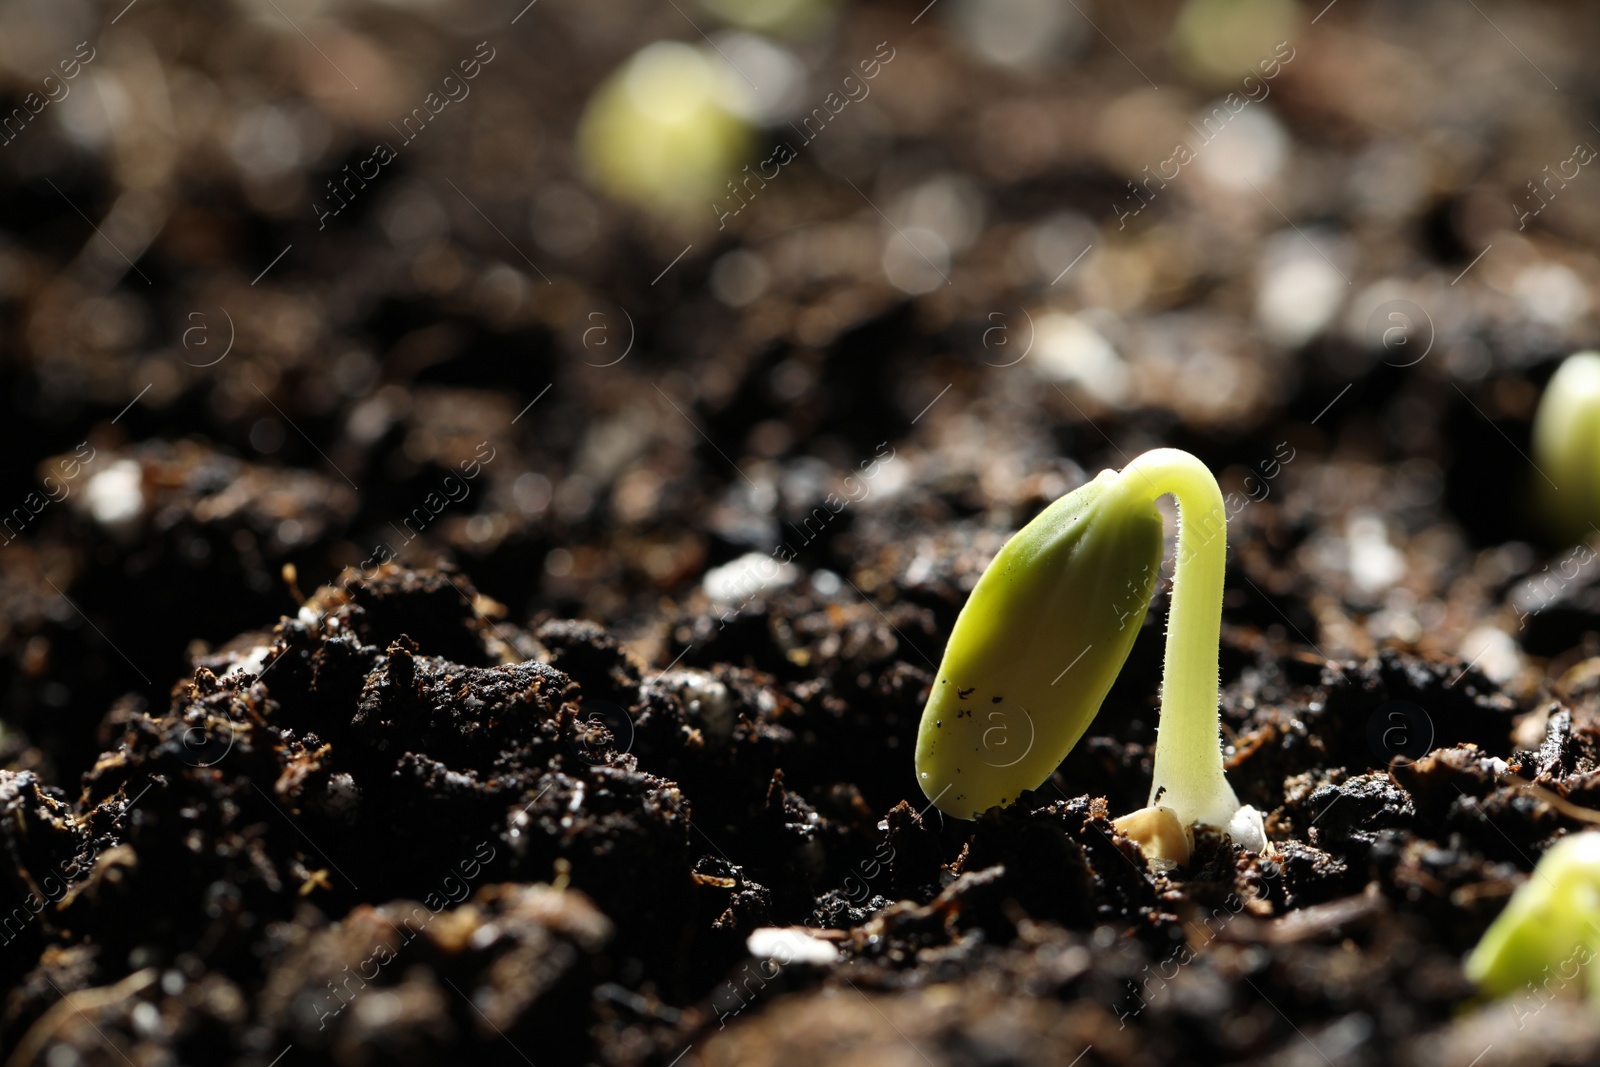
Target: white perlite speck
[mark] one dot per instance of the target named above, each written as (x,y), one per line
(789,944)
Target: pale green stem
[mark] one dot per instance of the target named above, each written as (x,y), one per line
(1188,760)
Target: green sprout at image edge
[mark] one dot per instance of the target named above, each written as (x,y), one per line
(1549,930)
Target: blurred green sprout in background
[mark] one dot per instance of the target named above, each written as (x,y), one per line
(781,17)
(1566,445)
(660,133)
(1218,42)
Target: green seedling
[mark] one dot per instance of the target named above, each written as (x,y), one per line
(1550,929)
(1045,633)
(658,133)
(1227,43)
(1566,444)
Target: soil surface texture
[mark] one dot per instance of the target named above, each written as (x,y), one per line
(461,615)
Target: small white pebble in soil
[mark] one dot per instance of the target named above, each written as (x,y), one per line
(147,1019)
(1550,293)
(789,944)
(920,571)
(826,583)
(252,662)
(343,797)
(1374,563)
(115,496)
(1494,652)
(1299,293)
(378,1010)
(762,80)
(1249,150)
(705,701)
(739,580)
(1068,349)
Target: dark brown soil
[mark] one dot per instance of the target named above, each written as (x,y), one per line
(349,845)
(487,748)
